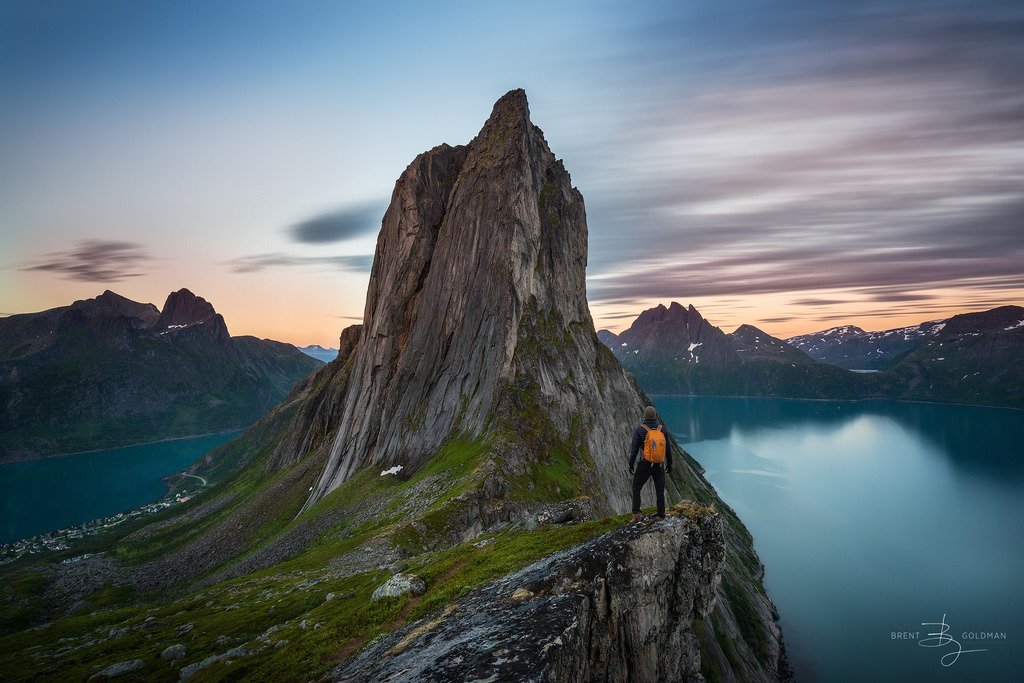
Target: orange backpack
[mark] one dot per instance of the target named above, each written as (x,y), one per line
(654,444)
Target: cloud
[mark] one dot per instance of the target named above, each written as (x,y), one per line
(337,226)
(95,261)
(819,302)
(902,296)
(358,263)
(819,148)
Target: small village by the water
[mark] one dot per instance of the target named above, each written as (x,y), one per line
(64,539)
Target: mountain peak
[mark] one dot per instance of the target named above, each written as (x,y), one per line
(184,308)
(111,304)
(746,330)
(477,304)
(512,102)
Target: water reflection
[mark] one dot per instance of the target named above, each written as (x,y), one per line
(977,440)
(872,518)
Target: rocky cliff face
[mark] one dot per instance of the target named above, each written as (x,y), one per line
(476,315)
(476,328)
(622,607)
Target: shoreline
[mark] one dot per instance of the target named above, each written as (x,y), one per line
(118,448)
(844,400)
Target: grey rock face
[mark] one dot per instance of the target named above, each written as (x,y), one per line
(620,607)
(477,298)
(399,584)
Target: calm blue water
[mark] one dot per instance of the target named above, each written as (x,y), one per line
(872,518)
(54,493)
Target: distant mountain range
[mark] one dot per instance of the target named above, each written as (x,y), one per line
(319,352)
(854,349)
(110,371)
(969,358)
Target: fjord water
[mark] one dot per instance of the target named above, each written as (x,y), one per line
(873,518)
(37,496)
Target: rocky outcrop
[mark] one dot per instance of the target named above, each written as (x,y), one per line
(184,308)
(398,585)
(476,316)
(622,607)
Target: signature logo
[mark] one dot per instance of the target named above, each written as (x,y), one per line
(941,638)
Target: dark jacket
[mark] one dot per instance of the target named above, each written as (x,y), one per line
(640,435)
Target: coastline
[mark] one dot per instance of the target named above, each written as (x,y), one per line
(8,461)
(845,400)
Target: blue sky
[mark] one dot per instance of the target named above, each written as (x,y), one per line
(787,164)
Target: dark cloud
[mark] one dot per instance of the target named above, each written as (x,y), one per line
(340,225)
(96,261)
(821,147)
(775,320)
(617,316)
(359,263)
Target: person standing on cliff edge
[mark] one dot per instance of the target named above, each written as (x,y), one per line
(652,438)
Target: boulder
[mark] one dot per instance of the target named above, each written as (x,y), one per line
(174,652)
(400,584)
(121,668)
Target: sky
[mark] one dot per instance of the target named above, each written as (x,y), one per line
(784,163)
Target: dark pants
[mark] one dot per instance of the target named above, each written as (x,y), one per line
(644,471)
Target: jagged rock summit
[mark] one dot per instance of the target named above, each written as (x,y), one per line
(184,308)
(476,315)
(682,332)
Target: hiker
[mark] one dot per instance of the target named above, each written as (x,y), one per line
(651,441)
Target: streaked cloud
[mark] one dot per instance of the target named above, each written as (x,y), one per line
(343,224)
(359,263)
(819,302)
(95,261)
(876,149)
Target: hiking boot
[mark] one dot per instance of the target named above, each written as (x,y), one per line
(636,518)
